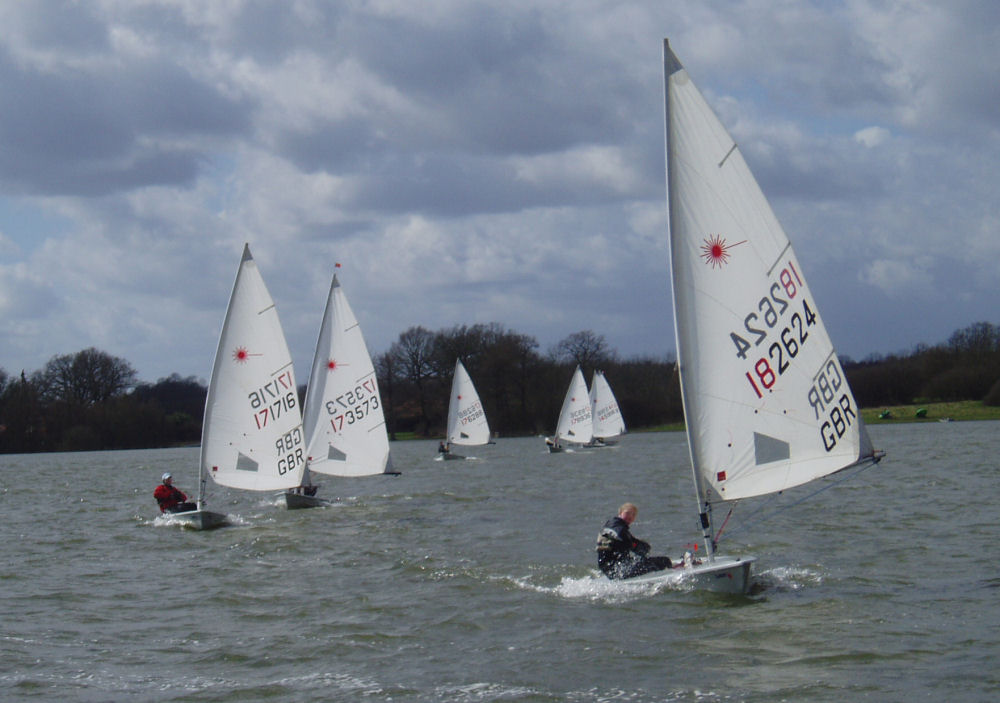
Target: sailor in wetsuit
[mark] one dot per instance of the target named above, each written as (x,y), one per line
(170,498)
(620,555)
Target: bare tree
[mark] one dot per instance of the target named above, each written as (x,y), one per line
(586,348)
(387,375)
(86,378)
(413,353)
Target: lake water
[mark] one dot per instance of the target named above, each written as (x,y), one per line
(475,581)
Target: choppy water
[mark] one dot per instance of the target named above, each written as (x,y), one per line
(474,581)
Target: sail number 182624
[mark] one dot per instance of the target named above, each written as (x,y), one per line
(777,326)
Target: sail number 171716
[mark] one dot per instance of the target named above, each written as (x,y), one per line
(776,326)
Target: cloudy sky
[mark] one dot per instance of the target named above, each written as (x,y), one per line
(476,162)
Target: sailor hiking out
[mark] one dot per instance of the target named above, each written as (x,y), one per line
(620,555)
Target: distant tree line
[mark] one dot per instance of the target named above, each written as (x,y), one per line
(91,400)
(521,389)
(966,367)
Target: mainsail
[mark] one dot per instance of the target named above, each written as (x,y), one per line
(766,401)
(252,432)
(575,424)
(605,413)
(467,423)
(344,422)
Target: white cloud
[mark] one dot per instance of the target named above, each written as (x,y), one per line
(472,162)
(872,136)
(898,279)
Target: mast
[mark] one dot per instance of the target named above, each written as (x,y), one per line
(201,489)
(670,66)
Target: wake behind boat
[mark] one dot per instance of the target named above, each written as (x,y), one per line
(766,402)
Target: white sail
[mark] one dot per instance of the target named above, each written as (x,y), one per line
(343,418)
(467,423)
(575,424)
(606,415)
(252,433)
(766,401)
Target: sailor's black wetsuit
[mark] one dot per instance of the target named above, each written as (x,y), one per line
(620,555)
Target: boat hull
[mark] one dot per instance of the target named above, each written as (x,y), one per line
(201,519)
(721,575)
(298,501)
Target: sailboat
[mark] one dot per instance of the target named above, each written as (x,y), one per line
(575,425)
(606,415)
(343,417)
(467,425)
(766,402)
(252,432)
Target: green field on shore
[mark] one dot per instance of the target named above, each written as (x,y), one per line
(932,412)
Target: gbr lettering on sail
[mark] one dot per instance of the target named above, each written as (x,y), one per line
(268,403)
(775,331)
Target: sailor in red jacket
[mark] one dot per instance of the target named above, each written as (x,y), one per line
(171,499)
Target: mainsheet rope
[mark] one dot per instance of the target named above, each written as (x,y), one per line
(749,522)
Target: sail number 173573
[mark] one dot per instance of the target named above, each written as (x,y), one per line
(354,405)
(777,326)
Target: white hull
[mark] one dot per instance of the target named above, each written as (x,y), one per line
(201,519)
(722,575)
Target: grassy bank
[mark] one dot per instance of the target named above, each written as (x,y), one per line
(931,412)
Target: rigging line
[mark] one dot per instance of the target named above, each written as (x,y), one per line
(863,467)
(749,519)
(718,535)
